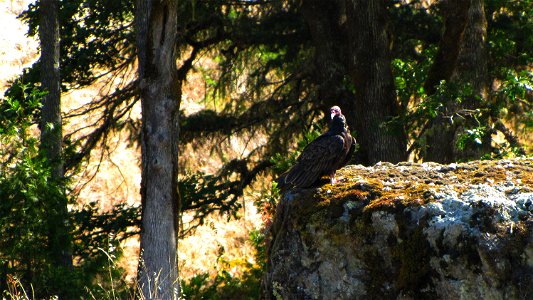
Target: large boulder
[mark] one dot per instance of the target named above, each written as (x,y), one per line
(407,231)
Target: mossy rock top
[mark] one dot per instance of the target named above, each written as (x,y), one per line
(385,186)
(407,231)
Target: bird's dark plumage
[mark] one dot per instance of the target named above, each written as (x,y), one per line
(323,156)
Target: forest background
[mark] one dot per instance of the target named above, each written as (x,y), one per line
(440,81)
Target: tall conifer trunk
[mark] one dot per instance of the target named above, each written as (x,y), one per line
(324,20)
(156,29)
(472,68)
(350,40)
(51,129)
(467,67)
(369,61)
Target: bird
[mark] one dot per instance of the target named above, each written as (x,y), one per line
(323,156)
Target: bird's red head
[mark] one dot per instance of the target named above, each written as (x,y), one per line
(335,111)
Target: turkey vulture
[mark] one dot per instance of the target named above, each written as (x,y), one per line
(323,156)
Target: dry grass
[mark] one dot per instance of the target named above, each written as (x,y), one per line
(16,50)
(118,179)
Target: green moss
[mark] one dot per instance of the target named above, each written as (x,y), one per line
(399,198)
(393,188)
(527,178)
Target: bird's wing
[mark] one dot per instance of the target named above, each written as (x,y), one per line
(350,149)
(317,159)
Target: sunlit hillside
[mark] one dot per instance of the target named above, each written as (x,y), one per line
(116,178)
(16,50)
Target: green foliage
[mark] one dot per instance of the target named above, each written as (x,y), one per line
(97,235)
(266,204)
(512,99)
(18,114)
(410,74)
(509,101)
(94,37)
(414,25)
(510,32)
(30,201)
(224,285)
(31,216)
(509,40)
(471,136)
(259,241)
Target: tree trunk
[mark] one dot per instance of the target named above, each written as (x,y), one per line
(469,69)
(472,68)
(51,129)
(324,20)
(156,26)
(441,131)
(455,15)
(370,68)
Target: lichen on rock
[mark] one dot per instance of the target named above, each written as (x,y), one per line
(407,231)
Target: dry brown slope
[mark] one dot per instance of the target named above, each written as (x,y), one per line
(118,178)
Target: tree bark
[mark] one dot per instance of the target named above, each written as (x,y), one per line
(375,94)
(472,68)
(469,68)
(156,26)
(455,15)
(324,20)
(51,128)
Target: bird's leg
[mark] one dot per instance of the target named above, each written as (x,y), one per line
(332,178)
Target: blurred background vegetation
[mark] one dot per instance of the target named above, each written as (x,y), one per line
(255,78)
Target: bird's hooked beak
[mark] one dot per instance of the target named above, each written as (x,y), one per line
(335,110)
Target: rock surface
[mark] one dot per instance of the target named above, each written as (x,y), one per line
(407,231)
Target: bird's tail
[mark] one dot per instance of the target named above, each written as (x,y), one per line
(282,181)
